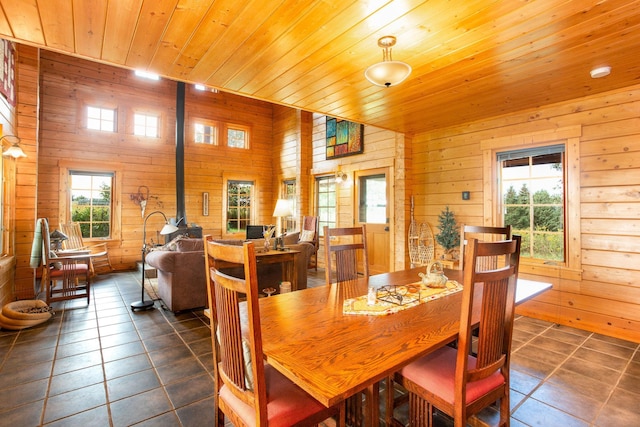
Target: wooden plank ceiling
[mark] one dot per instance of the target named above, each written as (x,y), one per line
(471,59)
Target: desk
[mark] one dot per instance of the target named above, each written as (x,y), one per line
(287,258)
(333,356)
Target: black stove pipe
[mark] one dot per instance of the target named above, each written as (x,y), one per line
(181,213)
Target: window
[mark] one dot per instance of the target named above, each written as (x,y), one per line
(326,202)
(145,125)
(239,201)
(237,136)
(101,119)
(289,193)
(205,133)
(373,199)
(91,202)
(532,189)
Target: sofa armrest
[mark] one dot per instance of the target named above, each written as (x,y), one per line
(161,260)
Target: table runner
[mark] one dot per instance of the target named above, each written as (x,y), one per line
(392,299)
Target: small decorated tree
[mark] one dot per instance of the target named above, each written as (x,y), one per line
(449,235)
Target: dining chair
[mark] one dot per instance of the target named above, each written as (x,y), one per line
(310,233)
(345,251)
(99,251)
(63,277)
(452,380)
(483,233)
(249,391)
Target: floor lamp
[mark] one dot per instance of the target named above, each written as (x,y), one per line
(167,229)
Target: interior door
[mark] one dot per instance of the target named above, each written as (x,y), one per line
(372,208)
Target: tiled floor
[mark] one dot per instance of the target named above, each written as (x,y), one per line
(103,365)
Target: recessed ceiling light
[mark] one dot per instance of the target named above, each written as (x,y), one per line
(599,72)
(147,75)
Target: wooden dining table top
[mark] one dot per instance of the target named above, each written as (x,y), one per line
(332,355)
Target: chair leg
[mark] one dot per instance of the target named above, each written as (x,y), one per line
(420,411)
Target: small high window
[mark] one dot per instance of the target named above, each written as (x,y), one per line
(145,125)
(103,119)
(205,133)
(237,136)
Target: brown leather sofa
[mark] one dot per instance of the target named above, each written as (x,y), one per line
(181,272)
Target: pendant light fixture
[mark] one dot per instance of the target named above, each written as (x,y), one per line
(388,72)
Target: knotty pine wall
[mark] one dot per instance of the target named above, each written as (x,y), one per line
(292,147)
(382,149)
(68,85)
(22,195)
(603,294)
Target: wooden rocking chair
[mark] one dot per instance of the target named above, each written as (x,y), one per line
(99,251)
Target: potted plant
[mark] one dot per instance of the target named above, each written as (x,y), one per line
(449,235)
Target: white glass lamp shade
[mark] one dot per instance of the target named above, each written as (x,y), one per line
(283,208)
(168,229)
(388,73)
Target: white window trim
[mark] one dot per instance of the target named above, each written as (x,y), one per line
(64,214)
(570,137)
(100,107)
(254,201)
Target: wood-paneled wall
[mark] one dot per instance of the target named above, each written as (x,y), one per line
(24,194)
(604,295)
(382,149)
(68,85)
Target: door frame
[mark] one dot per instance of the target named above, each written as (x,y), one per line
(388,172)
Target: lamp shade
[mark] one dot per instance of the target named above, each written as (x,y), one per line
(283,208)
(14,150)
(388,73)
(168,229)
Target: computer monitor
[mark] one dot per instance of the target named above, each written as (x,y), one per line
(255,231)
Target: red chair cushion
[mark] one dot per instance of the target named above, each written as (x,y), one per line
(287,403)
(436,373)
(80,268)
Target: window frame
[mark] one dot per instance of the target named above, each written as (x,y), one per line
(331,180)
(513,155)
(254,208)
(101,108)
(235,126)
(64,205)
(206,122)
(290,222)
(91,222)
(146,115)
(568,136)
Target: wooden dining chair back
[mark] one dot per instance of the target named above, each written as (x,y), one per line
(63,277)
(249,392)
(346,254)
(454,381)
(485,234)
(99,252)
(310,233)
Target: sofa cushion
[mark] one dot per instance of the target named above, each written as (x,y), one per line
(291,238)
(189,245)
(307,236)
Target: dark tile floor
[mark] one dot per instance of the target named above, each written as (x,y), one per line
(102,365)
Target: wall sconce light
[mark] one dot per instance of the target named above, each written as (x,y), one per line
(341,177)
(14,150)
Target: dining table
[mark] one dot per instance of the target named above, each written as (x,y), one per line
(332,355)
